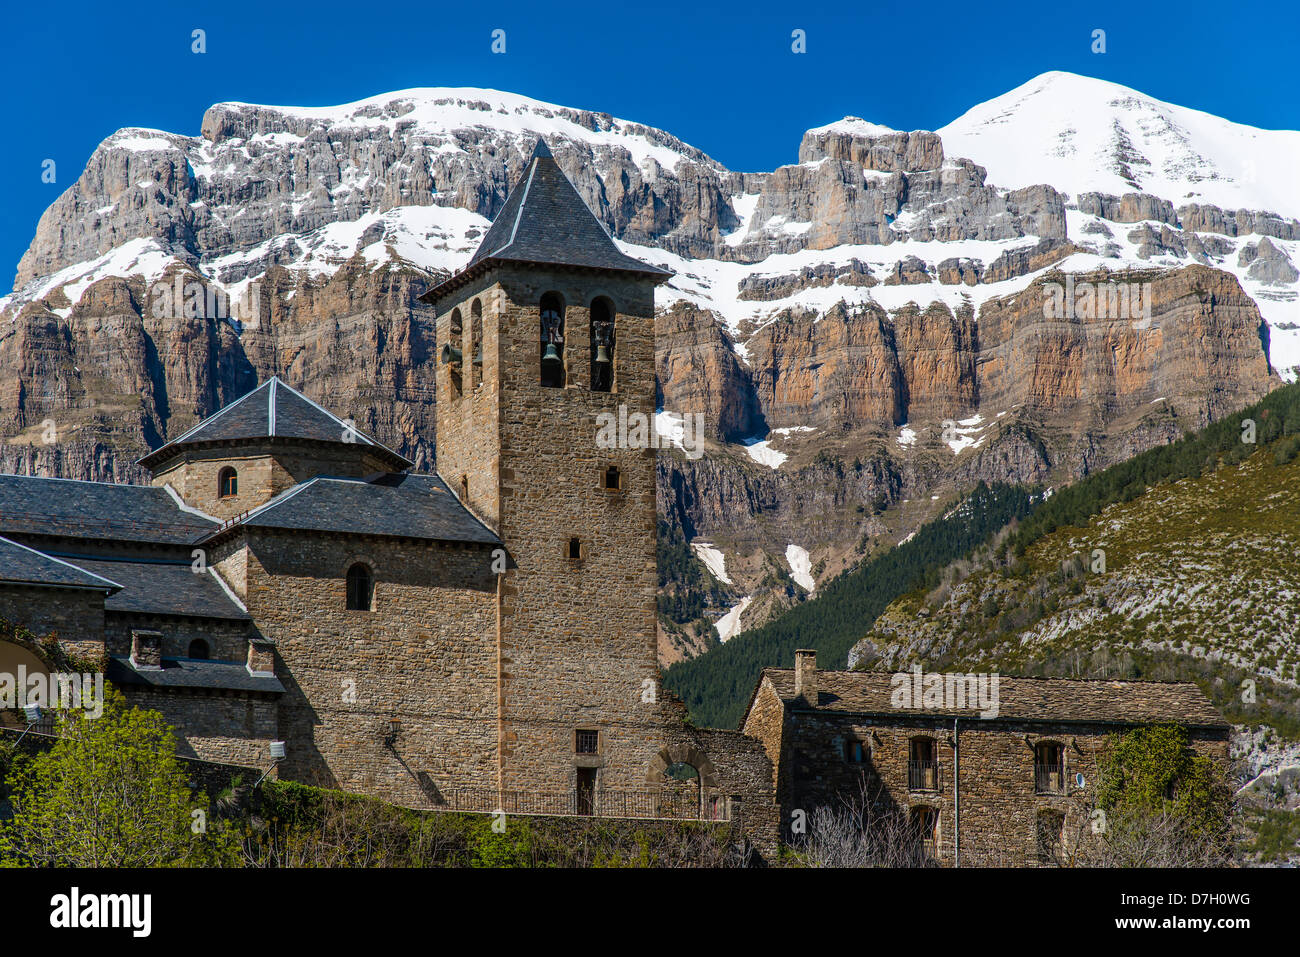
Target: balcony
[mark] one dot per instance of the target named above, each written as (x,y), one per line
(922,775)
(1049,778)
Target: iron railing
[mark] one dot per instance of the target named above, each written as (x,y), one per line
(922,775)
(1049,778)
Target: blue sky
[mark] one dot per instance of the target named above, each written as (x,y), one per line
(721,78)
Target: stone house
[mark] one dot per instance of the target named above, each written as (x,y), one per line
(1006,781)
(480,637)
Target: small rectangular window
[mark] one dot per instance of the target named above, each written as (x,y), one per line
(585,742)
(575,548)
(854,752)
(612,478)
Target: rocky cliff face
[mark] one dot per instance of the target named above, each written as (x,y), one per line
(867,331)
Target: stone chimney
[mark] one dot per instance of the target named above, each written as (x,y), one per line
(261,657)
(146,650)
(805,675)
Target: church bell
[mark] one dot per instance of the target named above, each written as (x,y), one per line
(551,354)
(602,354)
(450,354)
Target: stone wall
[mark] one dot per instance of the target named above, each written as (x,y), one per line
(223,726)
(578,634)
(263,469)
(998,803)
(227,640)
(424,655)
(74,616)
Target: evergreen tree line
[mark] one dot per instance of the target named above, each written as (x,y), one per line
(1276,416)
(716,686)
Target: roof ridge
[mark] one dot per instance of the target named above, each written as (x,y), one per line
(28,548)
(347,428)
(59,478)
(218,414)
(519,210)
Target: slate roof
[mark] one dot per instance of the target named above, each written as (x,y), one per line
(545,221)
(192,673)
(21,565)
(164,588)
(272,410)
(31,505)
(393,504)
(1034,699)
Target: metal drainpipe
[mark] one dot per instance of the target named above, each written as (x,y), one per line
(956,800)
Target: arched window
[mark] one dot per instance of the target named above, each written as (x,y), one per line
(476,345)
(451,351)
(227,482)
(1049,767)
(198,649)
(552,340)
(361,587)
(925,827)
(1050,833)
(923,764)
(602,345)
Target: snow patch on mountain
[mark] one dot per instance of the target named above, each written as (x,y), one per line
(714,560)
(800,567)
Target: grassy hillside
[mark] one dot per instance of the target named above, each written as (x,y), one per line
(1195,578)
(716,686)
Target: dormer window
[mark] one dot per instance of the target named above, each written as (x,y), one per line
(198,649)
(227,483)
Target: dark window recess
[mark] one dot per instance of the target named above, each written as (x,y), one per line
(586,796)
(1049,768)
(227,482)
(613,478)
(925,824)
(602,346)
(923,765)
(361,587)
(552,341)
(198,649)
(575,548)
(854,752)
(585,742)
(1050,831)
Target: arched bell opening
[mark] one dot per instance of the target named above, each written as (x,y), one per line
(552,340)
(602,345)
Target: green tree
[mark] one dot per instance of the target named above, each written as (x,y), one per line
(110,793)
(1164,802)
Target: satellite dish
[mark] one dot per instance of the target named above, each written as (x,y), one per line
(1079,780)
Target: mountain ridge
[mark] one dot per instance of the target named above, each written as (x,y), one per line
(879,301)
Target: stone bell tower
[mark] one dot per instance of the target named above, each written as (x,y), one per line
(548,330)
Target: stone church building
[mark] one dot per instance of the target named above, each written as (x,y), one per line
(477,638)
(484,636)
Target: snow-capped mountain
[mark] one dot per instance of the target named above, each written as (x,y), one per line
(1085,135)
(878,301)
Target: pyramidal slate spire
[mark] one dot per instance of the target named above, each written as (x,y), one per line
(545,222)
